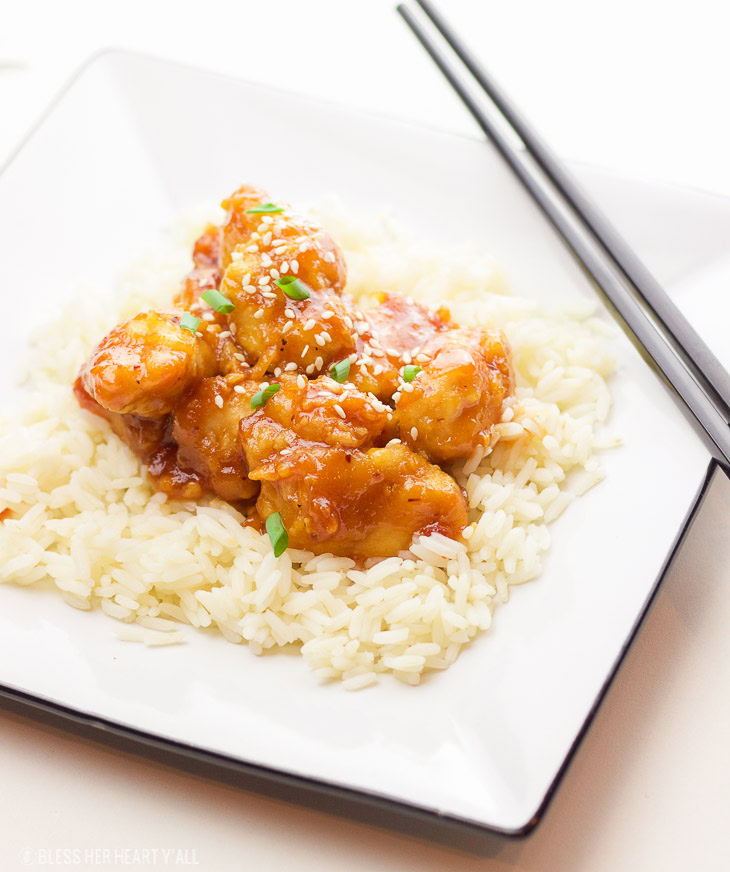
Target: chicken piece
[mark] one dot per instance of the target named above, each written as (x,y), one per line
(336,492)
(351,502)
(206,272)
(143,366)
(321,410)
(451,405)
(205,427)
(390,335)
(275,330)
(290,239)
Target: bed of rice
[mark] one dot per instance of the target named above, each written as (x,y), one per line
(83,517)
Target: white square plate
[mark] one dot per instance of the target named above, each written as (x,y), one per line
(132,142)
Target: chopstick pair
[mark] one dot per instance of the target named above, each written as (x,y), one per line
(650,318)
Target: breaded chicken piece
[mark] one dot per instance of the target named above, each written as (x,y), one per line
(276,331)
(312,450)
(143,366)
(390,335)
(205,427)
(449,408)
(289,238)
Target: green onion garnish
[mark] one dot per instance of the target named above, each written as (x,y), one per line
(410,372)
(278,536)
(294,288)
(260,399)
(218,301)
(340,371)
(265,209)
(189,322)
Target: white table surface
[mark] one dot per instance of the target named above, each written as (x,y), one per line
(640,87)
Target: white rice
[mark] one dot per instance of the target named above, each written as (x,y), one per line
(85,517)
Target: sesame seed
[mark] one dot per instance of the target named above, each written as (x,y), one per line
(252,248)
(422,358)
(374,342)
(396,396)
(290,367)
(250,289)
(233,328)
(224,334)
(263,386)
(236,256)
(287,327)
(255,235)
(259,313)
(219,401)
(239,356)
(267,219)
(340,411)
(284,268)
(348,321)
(407,387)
(208,316)
(290,313)
(406,357)
(353,357)
(301,381)
(310,324)
(266,260)
(414,433)
(363,369)
(327,315)
(277,371)
(304,351)
(377,369)
(266,239)
(294,265)
(269,295)
(246,280)
(318,339)
(318,363)
(310,369)
(285,452)
(392,352)
(274,273)
(239,389)
(198,334)
(326,336)
(378,352)
(264,280)
(392,442)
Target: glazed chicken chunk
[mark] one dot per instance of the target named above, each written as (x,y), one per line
(205,428)
(334,492)
(143,366)
(449,408)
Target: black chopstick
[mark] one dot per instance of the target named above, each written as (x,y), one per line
(706,368)
(704,407)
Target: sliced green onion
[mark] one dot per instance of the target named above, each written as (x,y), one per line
(340,371)
(411,371)
(265,209)
(217,301)
(261,398)
(190,322)
(278,536)
(293,287)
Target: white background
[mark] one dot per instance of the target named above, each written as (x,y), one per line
(640,87)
